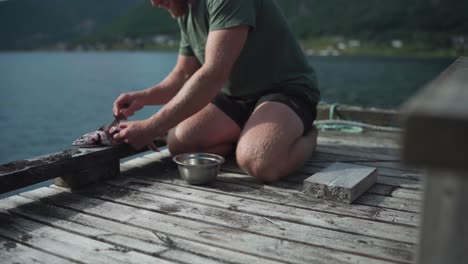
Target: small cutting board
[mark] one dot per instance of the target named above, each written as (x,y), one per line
(340,182)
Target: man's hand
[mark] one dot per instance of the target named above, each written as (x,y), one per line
(137,134)
(128,103)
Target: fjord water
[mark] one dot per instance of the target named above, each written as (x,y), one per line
(48,99)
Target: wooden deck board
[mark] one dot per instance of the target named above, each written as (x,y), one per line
(13,252)
(67,245)
(151,215)
(119,234)
(214,235)
(266,225)
(282,197)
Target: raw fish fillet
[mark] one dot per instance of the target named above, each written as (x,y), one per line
(97,138)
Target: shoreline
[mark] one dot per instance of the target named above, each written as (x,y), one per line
(420,55)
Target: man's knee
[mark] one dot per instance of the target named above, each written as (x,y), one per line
(178,144)
(257,167)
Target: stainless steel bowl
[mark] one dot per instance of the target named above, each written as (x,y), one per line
(198,168)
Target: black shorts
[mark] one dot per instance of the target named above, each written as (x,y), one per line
(240,109)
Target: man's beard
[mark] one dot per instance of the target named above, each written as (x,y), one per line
(178,8)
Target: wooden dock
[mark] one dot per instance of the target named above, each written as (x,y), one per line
(140,211)
(150,215)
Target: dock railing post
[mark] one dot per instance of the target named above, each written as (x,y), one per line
(73,168)
(98,170)
(435,139)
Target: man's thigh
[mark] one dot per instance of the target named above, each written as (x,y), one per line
(207,128)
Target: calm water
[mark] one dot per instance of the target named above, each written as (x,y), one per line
(51,98)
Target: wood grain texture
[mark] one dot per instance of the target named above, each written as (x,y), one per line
(151,212)
(12,252)
(203,232)
(121,235)
(444,230)
(340,182)
(67,245)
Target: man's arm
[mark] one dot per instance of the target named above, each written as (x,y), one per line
(222,50)
(161,93)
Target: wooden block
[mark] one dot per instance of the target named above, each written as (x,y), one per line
(340,182)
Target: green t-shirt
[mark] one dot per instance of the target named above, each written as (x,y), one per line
(271,58)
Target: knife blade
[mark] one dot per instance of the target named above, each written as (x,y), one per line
(118,117)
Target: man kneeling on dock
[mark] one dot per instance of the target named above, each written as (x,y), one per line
(241,83)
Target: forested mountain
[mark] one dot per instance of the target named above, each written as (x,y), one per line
(34,23)
(26,24)
(377,18)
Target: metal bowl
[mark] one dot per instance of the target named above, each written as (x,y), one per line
(198,168)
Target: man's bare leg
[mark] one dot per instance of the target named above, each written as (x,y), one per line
(272,144)
(209,130)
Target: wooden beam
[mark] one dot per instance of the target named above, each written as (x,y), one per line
(373,116)
(78,167)
(436,121)
(340,182)
(436,138)
(444,233)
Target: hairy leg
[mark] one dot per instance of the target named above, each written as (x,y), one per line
(209,130)
(272,144)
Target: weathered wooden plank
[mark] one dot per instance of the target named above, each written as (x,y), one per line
(277,192)
(407,194)
(406,205)
(228,238)
(268,195)
(122,235)
(13,253)
(274,203)
(293,183)
(383,152)
(72,163)
(380,189)
(382,117)
(67,245)
(340,182)
(372,197)
(398,217)
(357,152)
(369,138)
(400,182)
(439,111)
(233,184)
(444,233)
(262,225)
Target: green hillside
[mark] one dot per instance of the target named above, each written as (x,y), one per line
(427,25)
(376,18)
(28,24)
(141,21)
